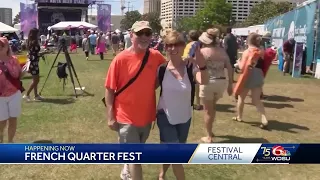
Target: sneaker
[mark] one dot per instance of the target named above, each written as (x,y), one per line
(26,97)
(87,58)
(125,174)
(38,98)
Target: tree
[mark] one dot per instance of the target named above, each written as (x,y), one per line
(154,20)
(214,12)
(129,19)
(16,19)
(266,10)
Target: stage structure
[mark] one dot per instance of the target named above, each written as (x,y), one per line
(51,12)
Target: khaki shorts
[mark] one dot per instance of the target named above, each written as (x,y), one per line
(213,90)
(132,134)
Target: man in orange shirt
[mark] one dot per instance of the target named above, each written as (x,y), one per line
(132,112)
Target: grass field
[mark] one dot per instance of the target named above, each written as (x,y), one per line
(291,107)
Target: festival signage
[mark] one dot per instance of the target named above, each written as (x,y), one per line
(49,17)
(104,17)
(297,24)
(297,60)
(28,17)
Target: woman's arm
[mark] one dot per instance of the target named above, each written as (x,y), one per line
(201,75)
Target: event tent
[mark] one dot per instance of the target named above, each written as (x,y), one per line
(65,25)
(7,29)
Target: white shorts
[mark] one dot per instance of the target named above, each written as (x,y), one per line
(214,89)
(10,106)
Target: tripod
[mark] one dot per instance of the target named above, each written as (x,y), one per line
(72,71)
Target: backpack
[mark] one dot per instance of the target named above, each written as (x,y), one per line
(162,70)
(61,70)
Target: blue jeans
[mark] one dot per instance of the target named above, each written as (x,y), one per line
(172,133)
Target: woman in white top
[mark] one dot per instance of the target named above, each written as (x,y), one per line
(216,60)
(177,86)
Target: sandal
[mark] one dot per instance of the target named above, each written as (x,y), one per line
(205,139)
(264,125)
(237,119)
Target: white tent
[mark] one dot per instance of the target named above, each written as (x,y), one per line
(65,25)
(251,29)
(7,29)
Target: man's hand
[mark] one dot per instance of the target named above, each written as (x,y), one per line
(113,125)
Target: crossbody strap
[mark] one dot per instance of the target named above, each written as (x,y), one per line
(143,64)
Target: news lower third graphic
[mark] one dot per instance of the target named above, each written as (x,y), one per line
(219,153)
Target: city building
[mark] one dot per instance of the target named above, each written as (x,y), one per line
(151,6)
(241,8)
(173,10)
(115,21)
(6,16)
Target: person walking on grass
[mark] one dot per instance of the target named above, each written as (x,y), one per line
(193,37)
(101,45)
(125,106)
(231,46)
(33,54)
(86,46)
(217,61)
(10,90)
(177,82)
(251,79)
(93,42)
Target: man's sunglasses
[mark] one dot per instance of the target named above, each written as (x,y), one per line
(146,33)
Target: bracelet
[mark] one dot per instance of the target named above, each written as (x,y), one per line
(203,68)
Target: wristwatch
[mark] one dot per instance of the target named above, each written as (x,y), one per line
(203,68)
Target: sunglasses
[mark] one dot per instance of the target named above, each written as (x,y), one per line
(146,33)
(174,45)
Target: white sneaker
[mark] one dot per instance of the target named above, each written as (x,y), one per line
(125,174)
(38,98)
(26,97)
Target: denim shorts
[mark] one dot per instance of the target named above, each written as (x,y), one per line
(172,133)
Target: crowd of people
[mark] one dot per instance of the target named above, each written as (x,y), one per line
(191,75)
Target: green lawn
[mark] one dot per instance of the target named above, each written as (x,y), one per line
(291,107)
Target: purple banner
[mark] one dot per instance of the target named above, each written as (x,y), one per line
(104,17)
(28,17)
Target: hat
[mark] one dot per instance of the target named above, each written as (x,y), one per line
(139,25)
(267,35)
(205,38)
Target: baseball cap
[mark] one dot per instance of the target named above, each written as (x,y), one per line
(139,25)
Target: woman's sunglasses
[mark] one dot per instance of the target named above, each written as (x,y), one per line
(146,33)
(174,45)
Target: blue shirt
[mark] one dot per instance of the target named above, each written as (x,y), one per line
(93,39)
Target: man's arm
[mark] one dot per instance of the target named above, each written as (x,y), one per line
(109,98)
(111,85)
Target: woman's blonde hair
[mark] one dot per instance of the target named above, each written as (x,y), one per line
(174,37)
(254,39)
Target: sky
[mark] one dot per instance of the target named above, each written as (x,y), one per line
(115,6)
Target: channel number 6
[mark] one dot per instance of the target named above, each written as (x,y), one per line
(266,151)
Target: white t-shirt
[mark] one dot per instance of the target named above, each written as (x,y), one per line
(176,97)
(43,38)
(127,41)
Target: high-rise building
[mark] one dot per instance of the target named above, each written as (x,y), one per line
(6,16)
(173,10)
(241,8)
(151,6)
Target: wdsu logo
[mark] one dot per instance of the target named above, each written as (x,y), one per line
(276,153)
